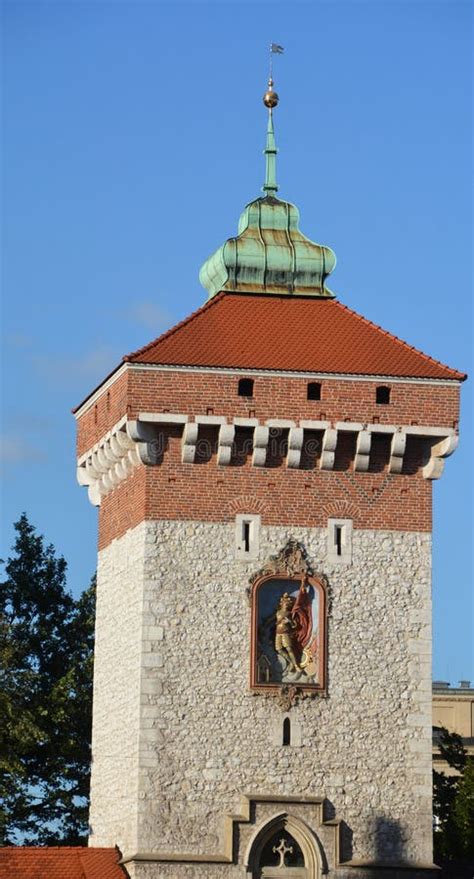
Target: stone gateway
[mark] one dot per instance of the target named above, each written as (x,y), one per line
(262,689)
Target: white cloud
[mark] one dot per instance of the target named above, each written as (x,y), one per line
(20,341)
(92,365)
(150,315)
(16,450)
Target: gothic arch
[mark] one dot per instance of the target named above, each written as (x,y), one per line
(314,858)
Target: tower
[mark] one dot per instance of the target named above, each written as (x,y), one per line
(262,690)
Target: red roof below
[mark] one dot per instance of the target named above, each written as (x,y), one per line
(297,334)
(59,862)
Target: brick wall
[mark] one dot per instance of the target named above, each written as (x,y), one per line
(307,496)
(208,493)
(193,393)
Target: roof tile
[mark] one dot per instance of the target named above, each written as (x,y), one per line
(60,862)
(288,333)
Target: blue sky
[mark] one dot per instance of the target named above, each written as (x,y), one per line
(133,137)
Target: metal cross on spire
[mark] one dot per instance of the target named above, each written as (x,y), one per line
(270,99)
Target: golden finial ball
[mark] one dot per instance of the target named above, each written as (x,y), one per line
(270,99)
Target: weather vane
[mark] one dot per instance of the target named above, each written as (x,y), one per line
(270,98)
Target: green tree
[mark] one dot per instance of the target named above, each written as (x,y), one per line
(463,813)
(45,697)
(453,807)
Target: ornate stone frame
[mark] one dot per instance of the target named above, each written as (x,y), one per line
(315,861)
(290,563)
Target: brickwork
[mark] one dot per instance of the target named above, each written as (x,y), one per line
(275,396)
(170,490)
(378,499)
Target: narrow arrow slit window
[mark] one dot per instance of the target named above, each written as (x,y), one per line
(340,541)
(247,528)
(246,535)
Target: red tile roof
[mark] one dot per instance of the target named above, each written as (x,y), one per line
(60,862)
(298,334)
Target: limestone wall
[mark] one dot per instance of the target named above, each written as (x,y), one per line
(173,764)
(117,676)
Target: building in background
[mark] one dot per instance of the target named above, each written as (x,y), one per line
(453,709)
(264,471)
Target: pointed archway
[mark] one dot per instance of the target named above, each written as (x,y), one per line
(284,848)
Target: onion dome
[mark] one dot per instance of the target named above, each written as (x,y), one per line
(269,253)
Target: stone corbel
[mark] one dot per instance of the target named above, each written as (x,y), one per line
(397,452)
(89,480)
(107,463)
(361,461)
(111,456)
(441,450)
(328,449)
(188,443)
(295,445)
(128,444)
(145,437)
(127,453)
(260,444)
(226,439)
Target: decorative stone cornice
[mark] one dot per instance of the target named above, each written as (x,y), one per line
(139,441)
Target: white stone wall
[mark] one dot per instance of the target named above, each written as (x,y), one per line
(117,677)
(203,738)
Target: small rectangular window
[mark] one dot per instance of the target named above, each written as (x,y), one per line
(245,387)
(382,395)
(314,391)
(340,541)
(247,527)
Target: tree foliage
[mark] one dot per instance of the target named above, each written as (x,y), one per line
(463,812)
(453,805)
(46,655)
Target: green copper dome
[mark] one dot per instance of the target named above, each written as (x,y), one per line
(269,254)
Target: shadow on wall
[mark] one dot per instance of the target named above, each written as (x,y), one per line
(346,834)
(391,848)
(346,842)
(390,841)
